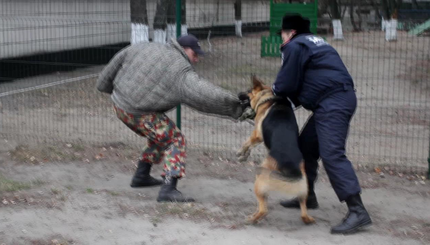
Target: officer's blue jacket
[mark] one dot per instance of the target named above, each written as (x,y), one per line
(311,70)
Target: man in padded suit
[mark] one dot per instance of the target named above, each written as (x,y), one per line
(145,81)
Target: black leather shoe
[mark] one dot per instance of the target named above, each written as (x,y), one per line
(169,193)
(142,178)
(311,202)
(356,218)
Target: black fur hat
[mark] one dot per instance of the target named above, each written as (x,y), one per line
(295,22)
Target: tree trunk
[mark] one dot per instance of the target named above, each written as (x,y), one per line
(415,4)
(389,8)
(334,9)
(238,17)
(378,15)
(171,19)
(360,20)
(139,21)
(351,14)
(337,24)
(184,27)
(391,30)
(160,20)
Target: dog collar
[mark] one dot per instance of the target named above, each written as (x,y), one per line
(273,98)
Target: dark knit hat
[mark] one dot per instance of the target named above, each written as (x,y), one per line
(295,22)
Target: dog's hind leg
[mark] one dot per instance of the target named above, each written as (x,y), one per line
(262,202)
(304,211)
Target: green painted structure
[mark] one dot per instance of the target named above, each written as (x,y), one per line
(270,44)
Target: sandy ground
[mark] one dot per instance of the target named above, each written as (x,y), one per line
(78,194)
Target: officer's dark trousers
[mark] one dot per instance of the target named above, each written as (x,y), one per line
(324,136)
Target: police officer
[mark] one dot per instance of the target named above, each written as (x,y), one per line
(313,76)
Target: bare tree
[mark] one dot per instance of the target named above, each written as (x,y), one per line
(415,4)
(323,7)
(355,5)
(336,19)
(238,17)
(171,19)
(165,20)
(160,21)
(360,19)
(376,8)
(139,21)
(184,27)
(389,9)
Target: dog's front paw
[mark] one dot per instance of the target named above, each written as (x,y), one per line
(243,158)
(239,153)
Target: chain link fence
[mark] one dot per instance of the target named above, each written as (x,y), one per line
(51,53)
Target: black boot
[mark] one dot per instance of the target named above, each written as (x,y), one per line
(169,193)
(356,218)
(311,202)
(142,178)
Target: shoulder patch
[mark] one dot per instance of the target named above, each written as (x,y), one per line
(316,40)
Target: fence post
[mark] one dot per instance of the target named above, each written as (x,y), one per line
(178,33)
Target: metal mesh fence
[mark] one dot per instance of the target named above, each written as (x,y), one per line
(51,52)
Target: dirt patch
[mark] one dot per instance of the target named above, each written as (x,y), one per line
(54,240)
(92,203)
(39,154)
(418,73)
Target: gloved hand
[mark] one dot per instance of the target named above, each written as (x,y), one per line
(244,100)
(248,113)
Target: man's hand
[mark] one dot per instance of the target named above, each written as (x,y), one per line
(248,113)
(244,100)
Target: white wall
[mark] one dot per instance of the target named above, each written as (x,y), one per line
(37,26)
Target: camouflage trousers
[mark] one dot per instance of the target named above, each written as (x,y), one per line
(165,142)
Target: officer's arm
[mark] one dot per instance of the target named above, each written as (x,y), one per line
(289,77)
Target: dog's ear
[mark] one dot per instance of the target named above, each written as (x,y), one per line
(256,83)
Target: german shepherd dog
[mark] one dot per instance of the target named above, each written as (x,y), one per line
(283,168)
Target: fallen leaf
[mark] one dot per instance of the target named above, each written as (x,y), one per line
(377,170)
